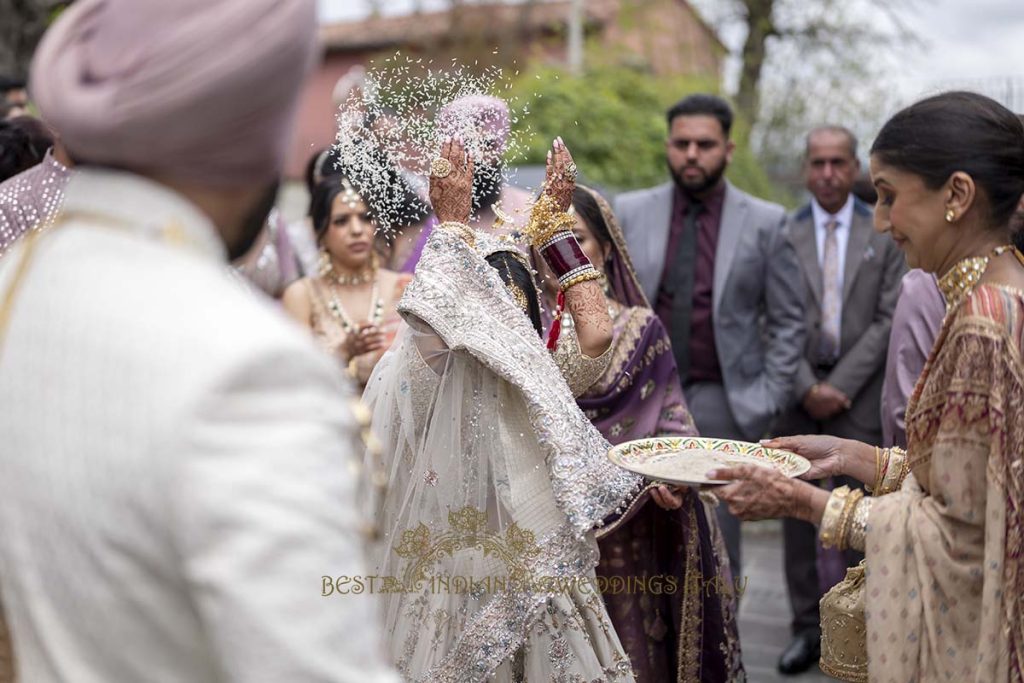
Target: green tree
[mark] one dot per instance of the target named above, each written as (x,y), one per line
(803,63)
(845,36)
(613,119)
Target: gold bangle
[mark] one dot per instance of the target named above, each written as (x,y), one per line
(857,534)
(847,517)
(829,533)
(896,471)
(904,470)
(586,276)
(881,468)
(467,233)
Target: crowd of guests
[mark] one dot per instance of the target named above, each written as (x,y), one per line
(880,342)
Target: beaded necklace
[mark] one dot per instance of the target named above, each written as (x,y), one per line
(374,316)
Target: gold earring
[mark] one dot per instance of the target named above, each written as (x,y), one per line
(950,215)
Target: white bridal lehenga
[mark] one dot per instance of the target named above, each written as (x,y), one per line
(496,482)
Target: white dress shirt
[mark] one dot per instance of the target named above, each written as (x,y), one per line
(175,462)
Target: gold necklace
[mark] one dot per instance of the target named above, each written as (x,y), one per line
(965,275)
(356,279)
(329,272)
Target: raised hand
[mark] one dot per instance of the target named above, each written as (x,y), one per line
(451,183)
(560,179)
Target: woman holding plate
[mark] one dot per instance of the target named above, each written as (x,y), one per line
(686,632)
(943,530)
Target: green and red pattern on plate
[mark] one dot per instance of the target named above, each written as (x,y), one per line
(685,459)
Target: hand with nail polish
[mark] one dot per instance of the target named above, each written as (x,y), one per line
(451,196)
(559,182)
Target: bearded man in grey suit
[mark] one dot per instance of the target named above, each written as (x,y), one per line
(724,280)
(853,274)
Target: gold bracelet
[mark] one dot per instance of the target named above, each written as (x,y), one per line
(881,467)
(904,469)
(546,220)
(844,524)
(830,528)
(586,276)
(896,471)
(353,371)
(467,233)
(856,538)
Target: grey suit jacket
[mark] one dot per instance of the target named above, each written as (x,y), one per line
(757,295)
(871,284)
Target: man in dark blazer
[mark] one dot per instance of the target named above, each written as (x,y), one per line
(853,275)
(716,265)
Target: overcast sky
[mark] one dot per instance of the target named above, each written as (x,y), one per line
(966,40)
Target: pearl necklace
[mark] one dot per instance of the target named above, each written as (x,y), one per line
(374,316)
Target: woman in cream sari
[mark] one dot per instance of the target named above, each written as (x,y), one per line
(943,531)
(496,480)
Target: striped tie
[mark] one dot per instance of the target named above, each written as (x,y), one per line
(831,295)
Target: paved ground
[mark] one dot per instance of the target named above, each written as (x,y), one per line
(764,610)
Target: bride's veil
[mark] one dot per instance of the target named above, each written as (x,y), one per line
(496,480)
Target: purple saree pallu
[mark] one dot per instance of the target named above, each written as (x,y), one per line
(664,574)
(668,592)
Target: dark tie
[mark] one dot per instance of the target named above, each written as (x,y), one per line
(680,285)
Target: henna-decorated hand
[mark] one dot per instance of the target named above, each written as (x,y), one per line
(757,492)
(364,339)
(560,181)
(452,195)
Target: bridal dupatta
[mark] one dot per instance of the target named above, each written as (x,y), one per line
(494,475)
(944,554)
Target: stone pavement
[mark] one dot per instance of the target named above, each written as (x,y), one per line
(764,610)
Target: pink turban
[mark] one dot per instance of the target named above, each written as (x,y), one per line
(199,90)
(474,116)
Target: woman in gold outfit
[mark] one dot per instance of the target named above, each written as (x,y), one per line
(943,530)
(350,305)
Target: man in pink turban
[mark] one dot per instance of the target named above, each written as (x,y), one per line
(179,463)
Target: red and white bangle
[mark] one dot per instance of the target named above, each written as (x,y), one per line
(565,258)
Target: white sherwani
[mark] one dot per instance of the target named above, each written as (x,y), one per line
(174,462)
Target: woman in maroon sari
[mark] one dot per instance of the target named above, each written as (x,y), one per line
(669,593)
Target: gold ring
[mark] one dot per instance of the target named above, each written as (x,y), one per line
(440,167)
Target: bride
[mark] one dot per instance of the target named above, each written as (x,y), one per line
(496,479)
